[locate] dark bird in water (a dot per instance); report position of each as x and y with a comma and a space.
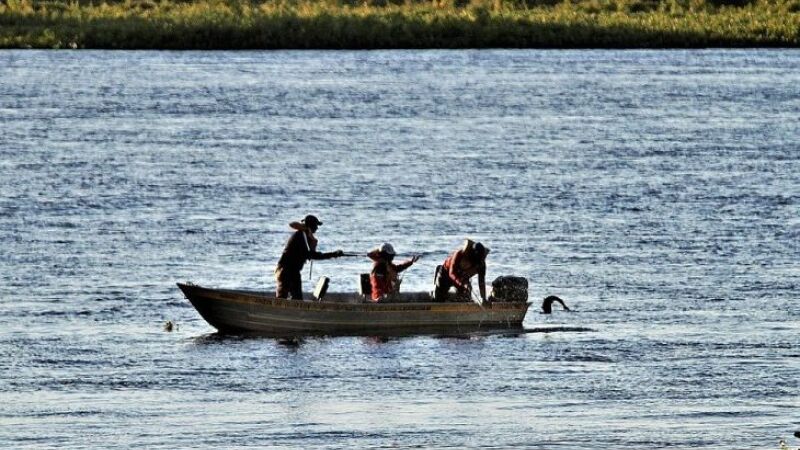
547, 304
292, 342
169, 326
797, 434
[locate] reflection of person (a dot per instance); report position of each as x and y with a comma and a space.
300, 247
384, 276
459, 267
547, 304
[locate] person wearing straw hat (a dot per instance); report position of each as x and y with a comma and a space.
384, 278
300, 247
458, 268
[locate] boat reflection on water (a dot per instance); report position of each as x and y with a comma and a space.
296, 341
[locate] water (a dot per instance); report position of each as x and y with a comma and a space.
656, 191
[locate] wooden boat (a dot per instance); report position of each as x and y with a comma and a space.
238, 311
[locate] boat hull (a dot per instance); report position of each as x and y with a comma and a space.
233, 311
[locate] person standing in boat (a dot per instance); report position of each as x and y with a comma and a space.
384, 278
459, 267
300, 247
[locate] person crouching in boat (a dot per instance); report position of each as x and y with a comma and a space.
300, 247
384, 278
458, 268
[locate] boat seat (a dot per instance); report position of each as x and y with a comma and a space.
322, 288
364, 286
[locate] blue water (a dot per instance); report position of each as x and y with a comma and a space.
657, 192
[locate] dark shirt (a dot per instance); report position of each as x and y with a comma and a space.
298, 250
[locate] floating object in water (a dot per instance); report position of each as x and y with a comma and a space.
797, 434
292, 342
169, 326
547, 304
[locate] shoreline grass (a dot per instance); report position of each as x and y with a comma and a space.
390, 24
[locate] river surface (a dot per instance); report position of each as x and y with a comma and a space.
657, 192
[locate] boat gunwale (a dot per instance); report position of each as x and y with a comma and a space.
255, 297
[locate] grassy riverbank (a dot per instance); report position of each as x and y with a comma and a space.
351, 24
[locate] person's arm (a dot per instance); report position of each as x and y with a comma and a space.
374, 255
320, 255
311, 248
482, 281
405, 265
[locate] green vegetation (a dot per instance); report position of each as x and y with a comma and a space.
354, 24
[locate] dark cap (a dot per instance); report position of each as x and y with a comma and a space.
311, 220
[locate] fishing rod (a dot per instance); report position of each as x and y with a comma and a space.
365, 255
476, 298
